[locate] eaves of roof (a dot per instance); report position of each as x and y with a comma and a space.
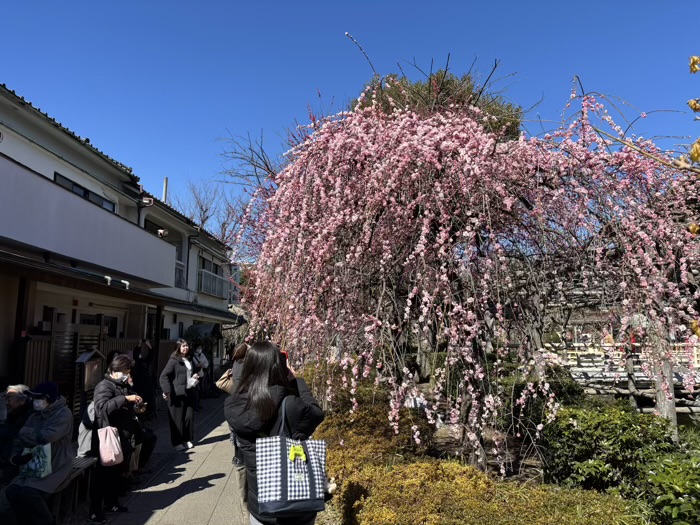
184, 218
85, 142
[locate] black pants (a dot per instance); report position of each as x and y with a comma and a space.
181, 417
106, 485
148, 442
30, 505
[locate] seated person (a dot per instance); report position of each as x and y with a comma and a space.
19, 407
50, 424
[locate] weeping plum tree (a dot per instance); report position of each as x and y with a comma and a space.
394, 232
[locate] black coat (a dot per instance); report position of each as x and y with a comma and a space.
173, 378
110, 403
9, 431
303, 416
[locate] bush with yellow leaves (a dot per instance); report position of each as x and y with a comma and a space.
439, 492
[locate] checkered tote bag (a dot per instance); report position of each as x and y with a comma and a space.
291, 474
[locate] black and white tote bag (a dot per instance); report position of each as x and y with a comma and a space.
291, 473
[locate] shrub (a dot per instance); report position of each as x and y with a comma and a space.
364, 437
603, 449
447, 493
522, 419
673, 489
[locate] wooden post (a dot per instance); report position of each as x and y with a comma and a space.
24, 319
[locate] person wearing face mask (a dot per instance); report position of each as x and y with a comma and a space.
51, 423
17, 407
201, 363
178, 381
113, 407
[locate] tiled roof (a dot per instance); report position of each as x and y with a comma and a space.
85, 142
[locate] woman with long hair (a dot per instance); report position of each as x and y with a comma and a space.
252, 412
178, 381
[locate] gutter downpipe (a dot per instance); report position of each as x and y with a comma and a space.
189, 246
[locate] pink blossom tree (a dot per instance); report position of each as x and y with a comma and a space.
399, 235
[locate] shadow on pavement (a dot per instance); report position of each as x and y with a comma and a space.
213, 439
150, 502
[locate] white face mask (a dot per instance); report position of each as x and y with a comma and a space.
40, 404
120, 377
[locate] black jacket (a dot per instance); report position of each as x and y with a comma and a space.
9, 431
173, 378
110, 403
303, 416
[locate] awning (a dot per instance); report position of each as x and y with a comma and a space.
214, 314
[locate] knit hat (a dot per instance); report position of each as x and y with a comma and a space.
47, 390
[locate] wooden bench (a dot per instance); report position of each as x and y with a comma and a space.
68, 494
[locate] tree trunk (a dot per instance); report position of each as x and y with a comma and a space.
665, 406
629, 368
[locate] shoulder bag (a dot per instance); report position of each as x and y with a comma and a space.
291, 473
225, 382
40, 464
110, 444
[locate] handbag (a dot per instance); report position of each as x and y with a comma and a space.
225, 382
40, 464
291, 474
110, 444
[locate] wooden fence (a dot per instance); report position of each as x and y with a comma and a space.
37, 360
166, 348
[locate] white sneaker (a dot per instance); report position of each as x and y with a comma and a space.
180, 448
189, 444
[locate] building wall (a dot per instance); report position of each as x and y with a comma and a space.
42, 214
199, 246
8, 307
44, 160
129, 316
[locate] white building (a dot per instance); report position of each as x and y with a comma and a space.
87, 258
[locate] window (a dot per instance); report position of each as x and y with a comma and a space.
152, 227
209, 266
83, 192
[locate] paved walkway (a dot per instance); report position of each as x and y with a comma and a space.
196, 487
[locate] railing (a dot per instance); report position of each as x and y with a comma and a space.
681, 353
180, 275
213, 284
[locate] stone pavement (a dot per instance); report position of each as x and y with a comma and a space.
196, 487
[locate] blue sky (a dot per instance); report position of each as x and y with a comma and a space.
157, 84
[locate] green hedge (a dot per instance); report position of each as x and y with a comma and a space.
672, 487
612, 448
603, 449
